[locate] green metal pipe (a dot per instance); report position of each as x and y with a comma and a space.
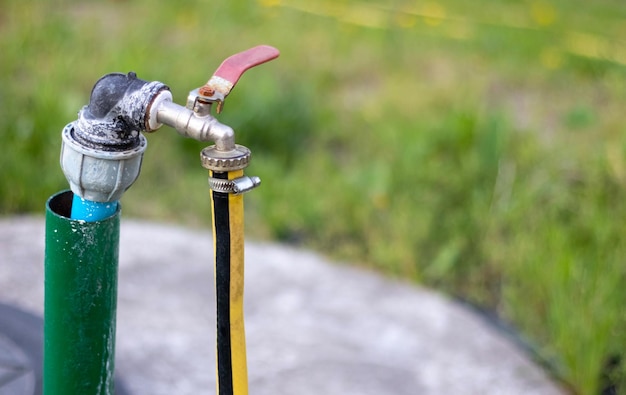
81, 263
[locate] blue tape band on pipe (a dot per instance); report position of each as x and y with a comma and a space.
89, 211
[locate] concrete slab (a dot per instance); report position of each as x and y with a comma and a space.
313, 326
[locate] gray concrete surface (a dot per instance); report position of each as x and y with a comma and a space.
313, 326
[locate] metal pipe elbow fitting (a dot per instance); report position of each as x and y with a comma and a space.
117, 112
102, 151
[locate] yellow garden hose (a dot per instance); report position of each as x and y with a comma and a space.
225, 161
228, 242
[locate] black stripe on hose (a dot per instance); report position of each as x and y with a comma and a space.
222, 284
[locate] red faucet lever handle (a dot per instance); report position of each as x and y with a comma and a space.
234, 66
231, 69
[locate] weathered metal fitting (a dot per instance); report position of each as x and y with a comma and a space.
223, 161
152, 122
117, 112
96, 174
236, 186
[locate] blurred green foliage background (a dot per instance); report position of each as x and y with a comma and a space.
476, 147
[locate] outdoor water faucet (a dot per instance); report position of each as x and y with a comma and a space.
195, 119
101, 156
102, 150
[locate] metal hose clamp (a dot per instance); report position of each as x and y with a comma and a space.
236, 186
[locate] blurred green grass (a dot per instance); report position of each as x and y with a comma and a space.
475, 147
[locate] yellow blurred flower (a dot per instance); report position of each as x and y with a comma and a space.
433, 13
544, 14
269, 3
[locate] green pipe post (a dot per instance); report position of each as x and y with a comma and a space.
81, 264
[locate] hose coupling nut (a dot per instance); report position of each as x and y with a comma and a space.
219, 160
